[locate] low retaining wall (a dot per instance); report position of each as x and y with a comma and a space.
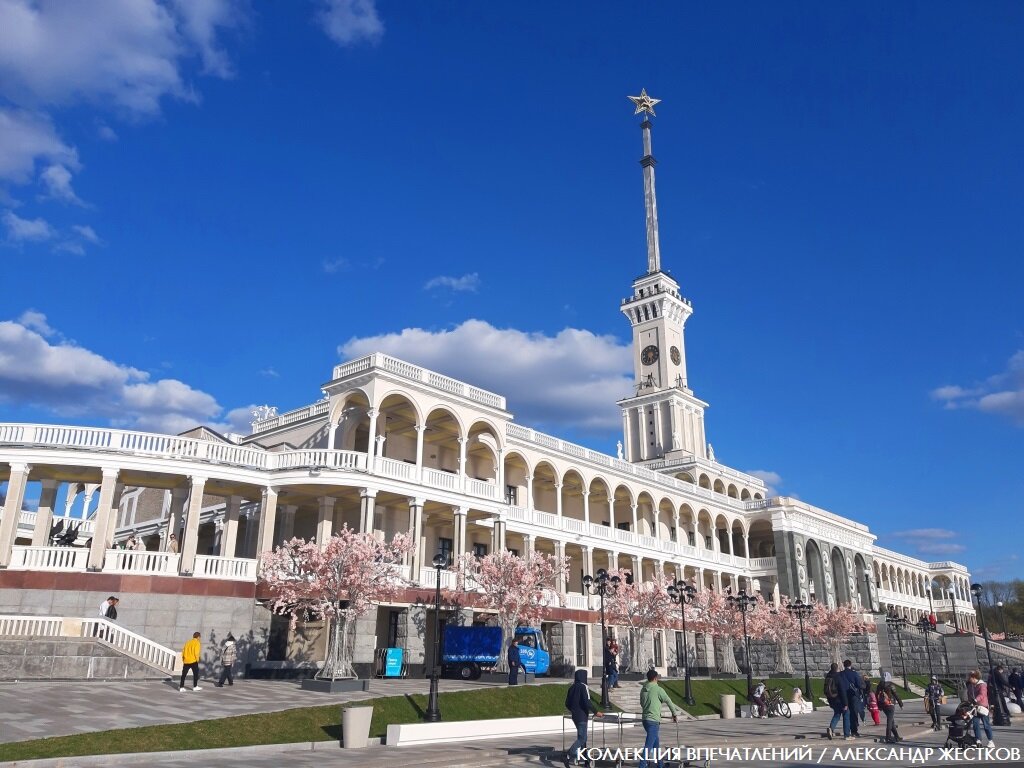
417, 734
48, 658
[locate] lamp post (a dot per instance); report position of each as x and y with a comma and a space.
1002, 617
802, 610
896, 623
999, 714
433, 713
925, 625
684, 593
600, 585
743, 603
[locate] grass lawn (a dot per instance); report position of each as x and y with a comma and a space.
706, 692
922, 680
296, 725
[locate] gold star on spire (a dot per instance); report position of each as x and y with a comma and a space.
643, 102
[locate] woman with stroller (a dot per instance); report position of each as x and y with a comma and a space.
888, 699
977, 694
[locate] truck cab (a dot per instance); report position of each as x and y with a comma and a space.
535, 657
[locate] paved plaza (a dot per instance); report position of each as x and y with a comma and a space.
52, 709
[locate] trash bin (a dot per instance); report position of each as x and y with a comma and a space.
728, 705
355, 726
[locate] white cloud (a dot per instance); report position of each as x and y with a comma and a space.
940, 548
348, 22
468, 282
334, 265
772, 480
105, 132
70, 380
570, 380
1001, 394
21, 230
270, 373
25, 137
931, 541
202, 20
931, 534
57, 180
87, 233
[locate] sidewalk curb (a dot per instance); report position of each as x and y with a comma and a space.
125, 757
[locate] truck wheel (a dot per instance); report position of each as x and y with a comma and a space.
469, 672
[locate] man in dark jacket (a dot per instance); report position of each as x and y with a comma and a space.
1017, 686
850, 686
836, 700
578, 702
514, 663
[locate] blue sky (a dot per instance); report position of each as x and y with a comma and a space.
203, 206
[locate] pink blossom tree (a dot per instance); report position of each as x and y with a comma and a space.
641, 607
338, 583
517, 589
779, 626
717, 618
832, 626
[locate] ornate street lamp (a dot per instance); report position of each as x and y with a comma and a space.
433, 713
1002, 617
999, 714
600, 585
743, 603
952, 600
802, 610
896, 622
684, 593
924, 625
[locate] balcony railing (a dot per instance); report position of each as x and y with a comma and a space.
129, 561
232, 568
49, 558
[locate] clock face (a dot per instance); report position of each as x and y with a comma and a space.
649, 355
674, 354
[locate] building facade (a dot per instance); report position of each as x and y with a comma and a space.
395, 448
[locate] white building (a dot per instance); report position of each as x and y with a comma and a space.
393, 448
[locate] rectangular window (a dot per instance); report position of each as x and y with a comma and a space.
691, 539
480, 550
445, 547
512, 495
624, 526
393, 618
659, 653
581, 645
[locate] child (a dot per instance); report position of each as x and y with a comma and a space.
873, 707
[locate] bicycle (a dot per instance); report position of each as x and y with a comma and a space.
774, 704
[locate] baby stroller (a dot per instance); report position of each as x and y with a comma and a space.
960, 733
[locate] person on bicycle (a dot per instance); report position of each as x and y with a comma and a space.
758, 697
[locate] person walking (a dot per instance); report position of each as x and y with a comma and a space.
850, 686
190, 660
977, 694
514, 662
611, 662
652, 696
228, 655
578, 702
836, 700
1017, 686
933, 699
873, 707
888, 700
108, 611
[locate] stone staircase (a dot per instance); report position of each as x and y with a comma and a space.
627, 698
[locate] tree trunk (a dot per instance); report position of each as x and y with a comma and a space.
338, 663
637, 649
784, 664
507, 629
729, 657
835, 646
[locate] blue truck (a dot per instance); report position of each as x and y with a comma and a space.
468, 651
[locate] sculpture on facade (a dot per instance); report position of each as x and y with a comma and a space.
262, 413
618, 449
677, 443
711, 453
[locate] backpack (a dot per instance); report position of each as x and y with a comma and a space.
884, 698
831, 687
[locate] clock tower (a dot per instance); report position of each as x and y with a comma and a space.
663, 419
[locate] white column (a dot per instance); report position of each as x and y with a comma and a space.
371, 442
98, 551
420, 430
498, 536
367, 502
381, 439
641, 433
558, 499
16, 485
44, 513
633, 509
87, 494
746, 546
499, 474
268, 516
703, 438
331, 429
559, 553
627, 437
529, 493
528, 543
613, 561
114, 512
586, 507
588, 561
462, 462
229, 536
175, 514
659, 434
191, 539
69, 498
325, 521
415, 557
638, 569
459, 525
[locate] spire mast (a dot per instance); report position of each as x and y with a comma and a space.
645, 105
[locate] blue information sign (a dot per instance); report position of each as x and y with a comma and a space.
392, 662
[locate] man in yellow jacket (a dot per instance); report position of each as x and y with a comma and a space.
190, 660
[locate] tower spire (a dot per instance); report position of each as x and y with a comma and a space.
645, 105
